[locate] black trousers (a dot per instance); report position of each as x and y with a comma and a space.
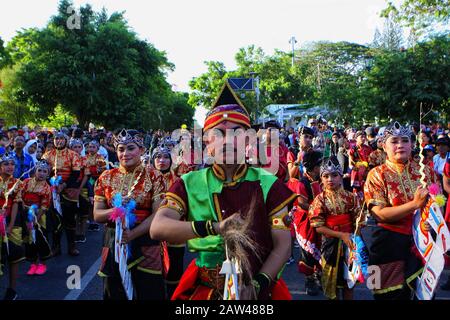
147, 286
176, 269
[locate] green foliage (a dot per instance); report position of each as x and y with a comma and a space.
15, 112
100, 72
420, 15
361, 83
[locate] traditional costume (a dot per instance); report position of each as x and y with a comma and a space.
66, 164
204, 195
145, 186
292, 158
36, 196
392, 247
336, 210
359, 157
307, 188
11, 248
175, 251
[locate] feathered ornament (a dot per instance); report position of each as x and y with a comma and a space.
55, 181
440, 200
121, 212
31, 219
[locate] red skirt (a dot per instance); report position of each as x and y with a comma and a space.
189, 287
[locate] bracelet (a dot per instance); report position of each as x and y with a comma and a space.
210, 228
263, 280
199, 228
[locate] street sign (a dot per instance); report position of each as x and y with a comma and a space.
241, 83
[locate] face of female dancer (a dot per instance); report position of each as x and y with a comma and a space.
41, 174
92, 149
398, 149
331, 181
77, 148
60, 142
162, 162
7, 168
129, 155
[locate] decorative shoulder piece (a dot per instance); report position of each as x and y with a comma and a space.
330, 166
128, 136
395, 129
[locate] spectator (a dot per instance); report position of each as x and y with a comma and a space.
24, 162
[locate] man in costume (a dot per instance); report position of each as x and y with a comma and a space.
295, 163
66, 164
11, 248
228, 201
393, 192
333, 214
36, 197
307, 188
131, 181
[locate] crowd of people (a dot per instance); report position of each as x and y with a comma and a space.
329, 181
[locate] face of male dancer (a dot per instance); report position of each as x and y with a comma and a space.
223, 141
77, 148
162, 162
60, 142
398, 149
7, 168
129, 155
41, 174
361, 140
331, 180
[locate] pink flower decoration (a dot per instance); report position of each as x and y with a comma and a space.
116, 214
434, 189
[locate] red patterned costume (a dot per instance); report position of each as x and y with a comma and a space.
15, 242
37, 193
390, 185
360, 157
337, 210
144, 185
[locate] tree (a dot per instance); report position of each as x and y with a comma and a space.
422, 16
100, 72
400, 81
391, 37
4, 56
11, 108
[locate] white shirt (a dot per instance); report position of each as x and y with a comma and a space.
439, 163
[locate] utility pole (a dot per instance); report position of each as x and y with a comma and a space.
293, 41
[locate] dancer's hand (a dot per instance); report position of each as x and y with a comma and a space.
127, 236
420, 197
236, 217
347, 239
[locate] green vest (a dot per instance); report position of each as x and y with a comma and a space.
200, 187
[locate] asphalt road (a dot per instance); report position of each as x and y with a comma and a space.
53, 285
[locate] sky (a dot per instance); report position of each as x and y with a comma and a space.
194, 31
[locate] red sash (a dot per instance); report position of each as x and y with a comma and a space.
341, 222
